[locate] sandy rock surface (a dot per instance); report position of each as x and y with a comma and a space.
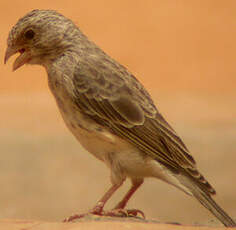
92, 223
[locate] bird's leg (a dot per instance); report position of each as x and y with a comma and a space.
98, 209
132, 190
119, 208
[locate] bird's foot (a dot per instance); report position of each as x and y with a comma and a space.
75, 217
97, 210
124, 213
111, 213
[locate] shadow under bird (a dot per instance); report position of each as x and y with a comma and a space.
108, 110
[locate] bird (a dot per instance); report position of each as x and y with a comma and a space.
108, 111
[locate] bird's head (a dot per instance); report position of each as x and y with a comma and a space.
40, 36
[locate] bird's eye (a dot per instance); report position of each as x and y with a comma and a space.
29, 34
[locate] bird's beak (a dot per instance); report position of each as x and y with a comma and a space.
9, 52
20, 60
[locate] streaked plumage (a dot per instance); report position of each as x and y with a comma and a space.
106, 107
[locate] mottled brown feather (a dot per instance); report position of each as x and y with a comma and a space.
94, 90
151, 134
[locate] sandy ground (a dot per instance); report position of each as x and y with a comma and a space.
113, 224
182, 51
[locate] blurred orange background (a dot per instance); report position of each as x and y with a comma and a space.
183, 51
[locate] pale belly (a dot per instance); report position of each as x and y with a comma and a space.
123, 158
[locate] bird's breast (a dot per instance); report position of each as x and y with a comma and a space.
95, 138
123, 158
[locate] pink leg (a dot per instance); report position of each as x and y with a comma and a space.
98, 209
128, 195
119, 208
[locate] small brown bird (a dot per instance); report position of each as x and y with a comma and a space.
108, 111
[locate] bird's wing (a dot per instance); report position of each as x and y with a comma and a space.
124, 106
119, 102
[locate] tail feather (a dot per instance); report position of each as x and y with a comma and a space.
206, 200
214, 208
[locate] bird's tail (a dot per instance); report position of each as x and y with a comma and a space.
214, 208
206, 200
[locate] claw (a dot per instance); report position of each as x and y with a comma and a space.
135, 212
111, 213
74, 217
125, 213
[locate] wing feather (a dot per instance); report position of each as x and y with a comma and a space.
119, 102
125, 107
